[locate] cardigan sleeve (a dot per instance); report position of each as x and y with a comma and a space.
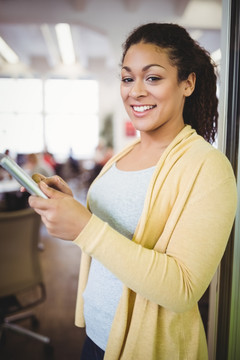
177, 278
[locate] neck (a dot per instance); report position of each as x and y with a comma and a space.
159, 140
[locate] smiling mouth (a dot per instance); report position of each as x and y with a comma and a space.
143, 108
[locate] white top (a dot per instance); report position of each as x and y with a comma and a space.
117, 198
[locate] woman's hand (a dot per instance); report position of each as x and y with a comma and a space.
63, 216
54, 181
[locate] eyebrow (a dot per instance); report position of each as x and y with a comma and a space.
145, 68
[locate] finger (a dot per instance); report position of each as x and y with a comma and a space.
58, 183
50, 181
50, 192
38, 203
55, 182
63, 186
38, 177
41, 213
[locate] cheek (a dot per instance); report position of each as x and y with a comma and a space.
124, 93
168, 95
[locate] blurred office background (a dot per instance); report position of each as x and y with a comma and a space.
61, 112
59, 85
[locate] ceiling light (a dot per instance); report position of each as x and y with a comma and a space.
65, 43
51, 44
8, 54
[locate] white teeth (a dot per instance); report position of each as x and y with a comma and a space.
142, 108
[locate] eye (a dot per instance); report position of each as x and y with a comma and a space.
126, 80
153, 78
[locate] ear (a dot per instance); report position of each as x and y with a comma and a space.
190, 84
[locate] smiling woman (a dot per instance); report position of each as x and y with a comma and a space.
159, 214
152, 95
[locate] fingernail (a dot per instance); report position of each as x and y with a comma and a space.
36, 178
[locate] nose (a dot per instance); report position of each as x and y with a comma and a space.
138, 89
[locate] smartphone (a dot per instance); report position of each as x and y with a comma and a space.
21, 176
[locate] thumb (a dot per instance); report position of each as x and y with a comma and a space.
38, 177
50, 192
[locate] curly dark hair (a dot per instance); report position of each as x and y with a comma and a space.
201, 108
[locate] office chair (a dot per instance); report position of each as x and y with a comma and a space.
21, 282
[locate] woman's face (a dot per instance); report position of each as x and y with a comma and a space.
151, 93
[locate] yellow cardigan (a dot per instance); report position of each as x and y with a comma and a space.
179, 241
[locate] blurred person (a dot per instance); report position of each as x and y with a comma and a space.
49, 159
73, 163
34, 163
159, 214
70, 169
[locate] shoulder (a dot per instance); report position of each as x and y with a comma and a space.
196, 159
212, 159
210, 171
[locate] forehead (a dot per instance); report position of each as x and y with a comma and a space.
146, 54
